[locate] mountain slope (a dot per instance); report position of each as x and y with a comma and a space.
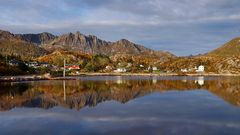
38, 39
231, 48
11, 45
91, 44
124, 46
127, 47
72, 42
77, 42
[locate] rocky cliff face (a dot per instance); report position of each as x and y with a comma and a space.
38, 39
77, 42
91, 44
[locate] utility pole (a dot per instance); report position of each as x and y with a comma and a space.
6, 59
64, 90
64, 68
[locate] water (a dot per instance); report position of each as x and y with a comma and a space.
122, 105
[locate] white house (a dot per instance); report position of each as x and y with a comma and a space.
120, 70
44, 64
129, 65
184, 70
200, 68
108, 67
33, 64
154, 68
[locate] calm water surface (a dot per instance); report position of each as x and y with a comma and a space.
122, 105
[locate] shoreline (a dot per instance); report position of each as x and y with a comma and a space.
48, 77
153, 74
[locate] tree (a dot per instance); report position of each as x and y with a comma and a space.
96, 63
90, 67
83, 63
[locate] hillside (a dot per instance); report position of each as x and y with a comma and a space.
57, 57
231, 48
38, 39
94, 54
11, 45
39, 44
213, 64
35, 45
78, 42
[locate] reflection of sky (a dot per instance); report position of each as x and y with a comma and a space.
190, 112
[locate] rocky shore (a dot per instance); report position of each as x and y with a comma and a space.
156, 74
24, 78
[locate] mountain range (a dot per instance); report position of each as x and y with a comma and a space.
45, 43
38, 39
35, 45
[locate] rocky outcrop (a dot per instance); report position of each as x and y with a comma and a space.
38, 39
77, 42
91, 44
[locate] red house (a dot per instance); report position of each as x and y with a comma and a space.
72, 67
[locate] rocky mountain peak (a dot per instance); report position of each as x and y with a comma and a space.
5, 35
124, 41
78, 33
78, 42
38, 39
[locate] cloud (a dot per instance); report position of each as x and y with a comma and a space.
177, 26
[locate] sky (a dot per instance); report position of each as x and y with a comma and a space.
183, 27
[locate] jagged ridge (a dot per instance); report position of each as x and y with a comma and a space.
77, 42
38, 39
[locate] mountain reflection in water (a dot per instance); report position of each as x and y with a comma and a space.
89, 91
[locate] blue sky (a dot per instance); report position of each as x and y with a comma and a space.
182, 27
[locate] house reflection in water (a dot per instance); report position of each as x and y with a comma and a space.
200, 80
154, 79
119, 80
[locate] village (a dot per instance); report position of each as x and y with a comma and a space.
76, 69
